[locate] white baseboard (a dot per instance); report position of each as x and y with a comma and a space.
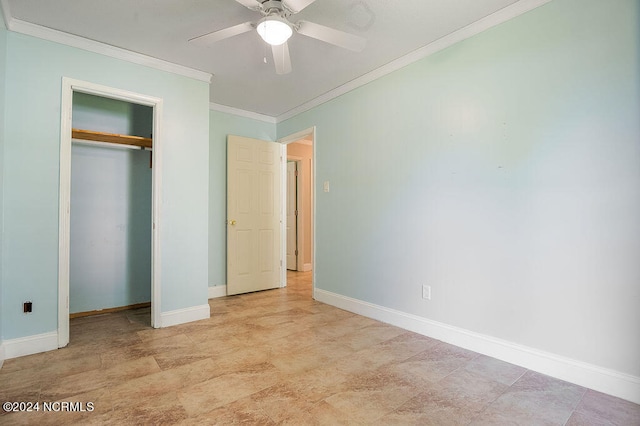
181, 316
601, 379
306, 267
22, 346
217, 291
1, 353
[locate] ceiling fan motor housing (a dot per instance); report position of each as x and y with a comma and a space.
275, 7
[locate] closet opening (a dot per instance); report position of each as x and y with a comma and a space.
109, 199
110, 258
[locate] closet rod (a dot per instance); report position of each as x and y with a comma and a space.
110, 145
90, 135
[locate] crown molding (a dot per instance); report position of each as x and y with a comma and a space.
242, 113
489, 21
22, 27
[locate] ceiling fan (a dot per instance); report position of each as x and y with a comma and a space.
275, 28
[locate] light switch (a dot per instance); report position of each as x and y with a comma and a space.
326, 186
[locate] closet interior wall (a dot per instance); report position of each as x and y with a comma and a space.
111, 208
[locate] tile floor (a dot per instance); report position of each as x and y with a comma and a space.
279, 357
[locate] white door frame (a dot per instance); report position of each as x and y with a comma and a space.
68, 87
311, 131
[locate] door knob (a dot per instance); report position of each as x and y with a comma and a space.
232, 222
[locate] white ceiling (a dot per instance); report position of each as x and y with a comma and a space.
162, 28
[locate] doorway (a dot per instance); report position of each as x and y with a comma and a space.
70, 87
300, 149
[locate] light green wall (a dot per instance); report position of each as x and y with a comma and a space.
35, 69
3, 59
221, 125
110, 244
504, 172
101, 114
110, 247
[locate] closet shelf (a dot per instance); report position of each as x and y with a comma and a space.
90, 135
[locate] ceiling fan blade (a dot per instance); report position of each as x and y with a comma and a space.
251, 4
222, 34
331, 35
281, 58
296, 5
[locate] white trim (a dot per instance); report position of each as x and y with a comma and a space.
302, 134
217, 291
604, 380
307, 267
156, 211
28, 345
242, 113
27, 28
68, 87
181, 316
464, 33
2, 356
64, 213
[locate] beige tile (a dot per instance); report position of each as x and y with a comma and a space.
370, 396
495, 369
367, 406
406, 345
153, 410
434, 363
606, 410
131, 370
370, 335
163, 382
283, 403
324, 414
173, 358
235, 413
63, 387
534, 399
455, 400
227, 388
317, 384
159, 333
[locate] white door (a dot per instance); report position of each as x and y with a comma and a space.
253, 214
292, 215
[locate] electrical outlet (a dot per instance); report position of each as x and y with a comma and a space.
27, 307
426, 292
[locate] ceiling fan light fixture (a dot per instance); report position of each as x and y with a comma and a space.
274, 30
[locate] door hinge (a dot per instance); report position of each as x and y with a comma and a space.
296, 213
296, 174
296, 252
